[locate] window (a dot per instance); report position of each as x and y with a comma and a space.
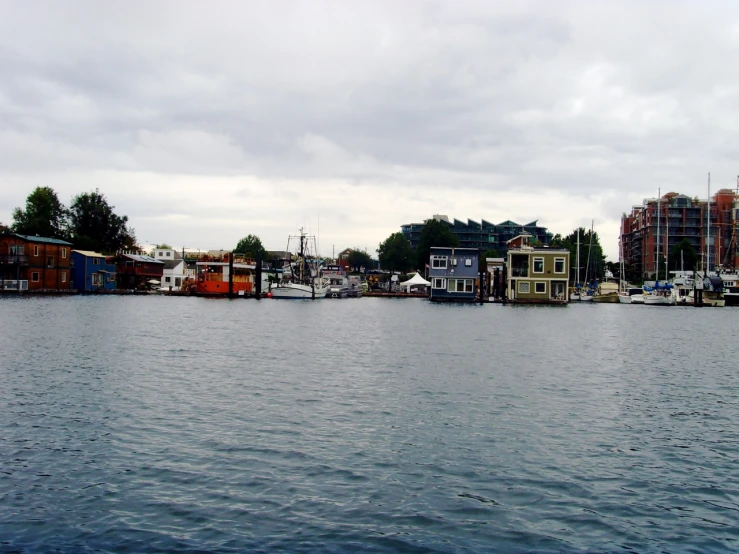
95, 279
169, 254
35, 277
96, 261
540, 287
538, 265
64, 276
50, 261
35, 249
167, 279
559, 265
17, 249
64, 252
438, 262
438, 283
524, 287
177, 281
461, 285
468, 263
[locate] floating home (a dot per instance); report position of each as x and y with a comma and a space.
34, 263
537, 275
453, 274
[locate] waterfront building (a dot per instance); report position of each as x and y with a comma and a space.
92, 272
176, 268
481, 236
537, 275
34, 263
681, 217
453, 273
135, 270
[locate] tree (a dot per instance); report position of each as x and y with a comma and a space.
251, 246
4, 228
434, 233
359, 258
396, 254
682, 255
592, 259
94, 226
491, 253
44, 215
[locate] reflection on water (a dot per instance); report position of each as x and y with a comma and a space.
185, 424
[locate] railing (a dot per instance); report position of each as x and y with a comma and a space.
21, 259
13, 284
519, 271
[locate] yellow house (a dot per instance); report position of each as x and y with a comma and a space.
537, 275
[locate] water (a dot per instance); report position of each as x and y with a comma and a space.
159, 424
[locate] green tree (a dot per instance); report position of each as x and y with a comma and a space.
358, 258
4, 228
491, 253
434, 233
44, 215
592, 259
251, 245
396, 254
682, 255
94, 226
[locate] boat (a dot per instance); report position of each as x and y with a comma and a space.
636, 294
658, 294
580, 293
337, 281
301, 278
214, 274
730, 283
683, 284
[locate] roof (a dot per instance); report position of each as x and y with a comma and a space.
415, 280
171, 264
142, 258
36, 238
89, 253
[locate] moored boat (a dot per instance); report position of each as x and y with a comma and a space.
301, 278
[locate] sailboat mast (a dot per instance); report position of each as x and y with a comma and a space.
577, 278
708, 228
659, 198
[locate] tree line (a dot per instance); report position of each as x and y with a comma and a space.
89, 222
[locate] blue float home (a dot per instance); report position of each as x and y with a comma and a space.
453, 274
91, 272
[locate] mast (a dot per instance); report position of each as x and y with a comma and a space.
667, 243
659, 198
590, 247
708, 229
577, 278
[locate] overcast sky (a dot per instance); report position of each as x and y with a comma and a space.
207, 121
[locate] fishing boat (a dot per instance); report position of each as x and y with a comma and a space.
301, 277
337, 281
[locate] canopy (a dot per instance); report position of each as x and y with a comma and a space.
416, 280
153, 282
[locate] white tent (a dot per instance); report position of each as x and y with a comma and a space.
416, 280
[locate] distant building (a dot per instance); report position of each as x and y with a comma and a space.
92, 272
681, 217
453, 274
481, 236
34, 263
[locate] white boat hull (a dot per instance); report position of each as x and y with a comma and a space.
659, 300
624, 299
637, 299
297, 290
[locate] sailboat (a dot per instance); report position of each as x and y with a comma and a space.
623, 294
659, 295
301, 278
579, 294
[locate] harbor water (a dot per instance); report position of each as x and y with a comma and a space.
162, 424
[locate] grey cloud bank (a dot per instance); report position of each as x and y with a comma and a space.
206, 122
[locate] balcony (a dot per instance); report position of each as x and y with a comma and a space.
13, 259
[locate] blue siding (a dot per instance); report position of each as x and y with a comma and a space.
84, 267
466, 268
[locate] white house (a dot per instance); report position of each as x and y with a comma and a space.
175, 268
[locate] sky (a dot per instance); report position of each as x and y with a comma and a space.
204, 122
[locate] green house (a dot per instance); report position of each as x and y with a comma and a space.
536, 275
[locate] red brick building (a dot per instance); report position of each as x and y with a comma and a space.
681, 218
34, 263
